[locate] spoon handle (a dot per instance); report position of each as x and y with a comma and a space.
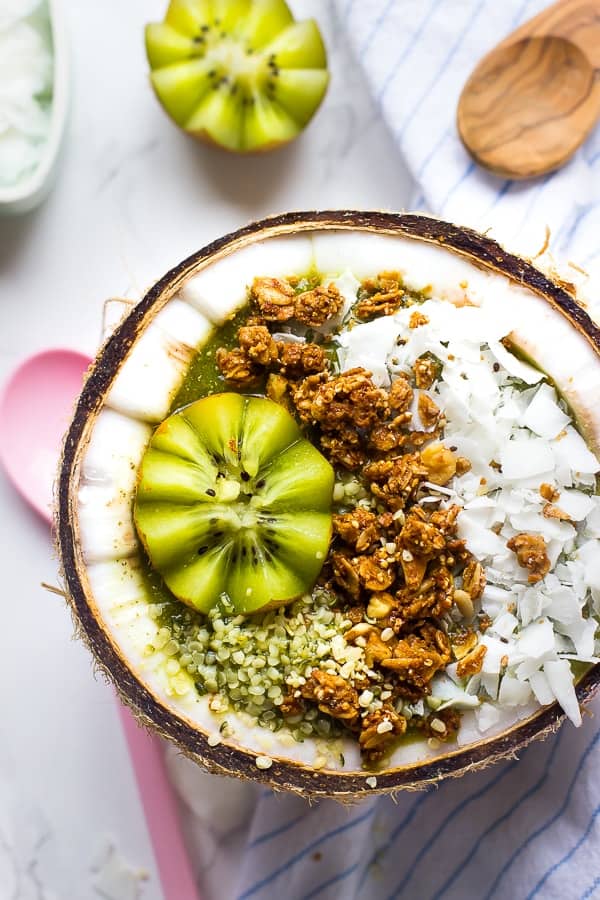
575, 21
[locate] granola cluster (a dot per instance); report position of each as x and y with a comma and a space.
397, 567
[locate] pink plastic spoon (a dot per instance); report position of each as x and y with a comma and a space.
35, 408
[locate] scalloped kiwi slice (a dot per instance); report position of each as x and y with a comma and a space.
239, 73
233, 500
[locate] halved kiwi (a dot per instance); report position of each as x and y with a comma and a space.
239, 73
234, 504
131, 387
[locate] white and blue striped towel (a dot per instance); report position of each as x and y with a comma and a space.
521, 829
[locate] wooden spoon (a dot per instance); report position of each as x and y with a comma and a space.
534, 99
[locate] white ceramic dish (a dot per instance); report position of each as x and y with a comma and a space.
30, 191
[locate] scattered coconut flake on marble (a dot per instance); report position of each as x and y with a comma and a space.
114, 878
26, 77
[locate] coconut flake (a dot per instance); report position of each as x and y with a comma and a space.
541, 688
524, 457
560, 681
513, 365
571, 450
537, 640
488, 715
513, 692
543, 415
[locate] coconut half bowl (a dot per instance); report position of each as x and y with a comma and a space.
129, 390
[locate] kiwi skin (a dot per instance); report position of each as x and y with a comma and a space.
149, 709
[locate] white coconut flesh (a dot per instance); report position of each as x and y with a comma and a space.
537, 630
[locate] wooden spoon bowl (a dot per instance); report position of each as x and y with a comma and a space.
533, 100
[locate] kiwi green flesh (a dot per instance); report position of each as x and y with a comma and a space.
232, 500
243, 75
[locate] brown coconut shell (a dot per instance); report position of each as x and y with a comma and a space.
226, 759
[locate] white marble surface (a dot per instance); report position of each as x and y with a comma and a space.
133, 197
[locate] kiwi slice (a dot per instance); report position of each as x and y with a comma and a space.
239, 73
233, 500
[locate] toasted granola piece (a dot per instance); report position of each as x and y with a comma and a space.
413, 569
317, 306
376, 572
401, 394
385, 438
236, 368
386, 296
531, 553
355, 614
420, 537
471, 663
298, 360
433, 597
380, 605
419, 655
550, 511
350, 398
291, 705
395, 480
278, 390
343, 446
443, 725
345, 574
426, 370
462, 465
379, 729
439, 462
548, 492
360, 630
306, 392
417, 319
333, 696
358, 528
445, 519
473, 579
274, 297
429, 411
463, 642
257, 344
377, 649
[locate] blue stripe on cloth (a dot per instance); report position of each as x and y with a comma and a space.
412, 45
406, 121
500, 193
432, 152
381, 851
515, 21
594, 159
463, 864
281, 829
333, 880
348, 9
379, 21
548, 823
581, 215
268, 879
590, 891
467, 172
535, 195
566, 857
449, 819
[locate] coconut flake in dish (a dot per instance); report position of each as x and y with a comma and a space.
507, 419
